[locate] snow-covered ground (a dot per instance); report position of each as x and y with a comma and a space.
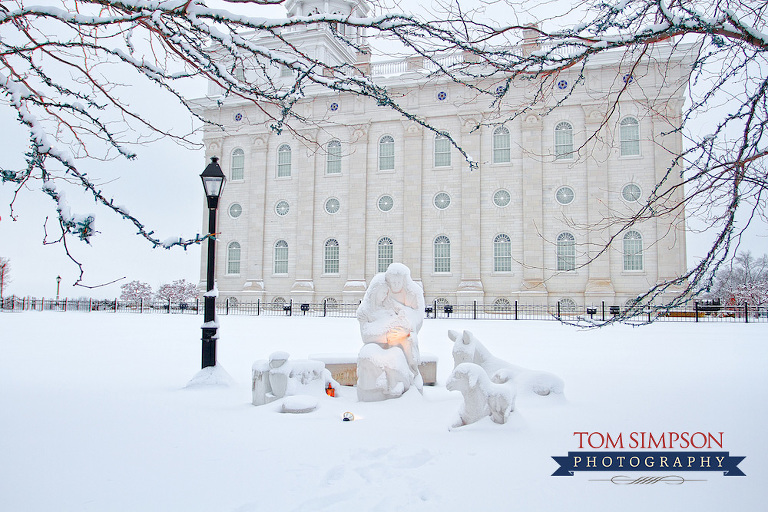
95, 416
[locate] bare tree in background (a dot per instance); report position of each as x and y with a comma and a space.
745, 281
180, 290
55, 65
135, 291
5, 275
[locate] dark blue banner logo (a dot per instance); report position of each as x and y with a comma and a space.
648, 461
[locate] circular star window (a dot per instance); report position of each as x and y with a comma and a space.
235, 210
282, 207
631, 193
386, 203
332, 205
442, 201
564, 195
502, 198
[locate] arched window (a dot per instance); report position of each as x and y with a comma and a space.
567, 305
563, 141
629, 133
566, 252
386, 153
442, 151
331, 260
281, 257
385, 254
633, 251
442, 254
502, 305
333, 158
237, 169
283, 161
501, 145
278, 303
233, 258
502, 253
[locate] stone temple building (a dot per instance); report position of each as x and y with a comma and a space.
312, 215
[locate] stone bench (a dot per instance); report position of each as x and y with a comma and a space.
343, 367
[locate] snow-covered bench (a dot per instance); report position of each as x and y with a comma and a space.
343, 367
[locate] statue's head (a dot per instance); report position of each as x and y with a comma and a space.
397, 276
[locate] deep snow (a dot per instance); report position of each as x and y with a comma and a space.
96, 417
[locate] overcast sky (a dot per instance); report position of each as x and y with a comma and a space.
162, 188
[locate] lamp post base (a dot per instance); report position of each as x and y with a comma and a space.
209, 347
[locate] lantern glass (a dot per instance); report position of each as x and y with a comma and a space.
213, 186
213, 182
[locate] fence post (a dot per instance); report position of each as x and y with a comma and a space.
258, 307
115, 305
603, 311
226, 306
474, 310
746, 313
434, 305
325, 306
516, 310
558, 310
696, 311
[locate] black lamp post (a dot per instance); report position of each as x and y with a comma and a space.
213, 183
58, 282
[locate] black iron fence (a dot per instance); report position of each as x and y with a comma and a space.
603, 312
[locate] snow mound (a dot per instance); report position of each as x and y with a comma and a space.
211, 376
299, 404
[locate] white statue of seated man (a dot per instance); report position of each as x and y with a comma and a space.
390, 316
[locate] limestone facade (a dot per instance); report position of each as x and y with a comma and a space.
314, 214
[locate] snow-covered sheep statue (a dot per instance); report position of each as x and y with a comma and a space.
482, 398
468, 349
390, 316
280, 377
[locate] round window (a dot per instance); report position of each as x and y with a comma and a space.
562, 84
332, 205
564, 195
386, 203
281, 208
334, 107
235, 210
442, 201
631, 193
442, 95
501, 198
